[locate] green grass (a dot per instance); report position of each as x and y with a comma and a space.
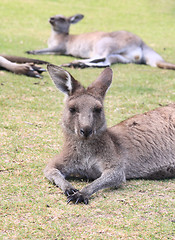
31, 207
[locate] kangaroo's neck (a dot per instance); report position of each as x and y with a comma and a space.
61, 42
59, 35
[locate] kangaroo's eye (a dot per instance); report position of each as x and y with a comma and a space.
72, 110
97, 110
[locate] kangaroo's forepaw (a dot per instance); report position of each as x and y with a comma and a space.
77, 197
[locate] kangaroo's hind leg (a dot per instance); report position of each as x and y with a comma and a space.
98, 62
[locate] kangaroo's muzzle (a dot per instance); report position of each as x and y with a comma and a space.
86, 132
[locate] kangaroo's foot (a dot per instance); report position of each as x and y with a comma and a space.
30, 70
75, 64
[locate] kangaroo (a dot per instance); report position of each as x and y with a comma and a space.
99, 49
22, 65
142, 146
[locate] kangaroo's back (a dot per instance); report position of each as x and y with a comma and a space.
148, 143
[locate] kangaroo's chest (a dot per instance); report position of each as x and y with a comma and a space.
79, 49
88, 167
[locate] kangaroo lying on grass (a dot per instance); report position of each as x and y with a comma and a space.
140, 147
99, 49
22, 65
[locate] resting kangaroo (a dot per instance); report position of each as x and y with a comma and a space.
140, 147
99, 49
21, 65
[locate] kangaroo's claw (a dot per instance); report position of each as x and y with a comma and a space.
70, 192
38, 69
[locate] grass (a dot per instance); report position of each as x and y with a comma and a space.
31, 207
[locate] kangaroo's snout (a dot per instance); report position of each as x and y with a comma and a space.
86, 132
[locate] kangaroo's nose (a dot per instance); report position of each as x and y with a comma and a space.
51, 20
86, 132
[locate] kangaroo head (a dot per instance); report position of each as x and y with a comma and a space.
61, 24
84, 112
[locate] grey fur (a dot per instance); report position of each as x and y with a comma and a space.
140, 147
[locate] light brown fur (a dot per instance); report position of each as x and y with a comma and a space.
99, 49
22, 65
140, 147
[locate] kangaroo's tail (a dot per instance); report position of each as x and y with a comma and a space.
152, 58
166, 65
18, 59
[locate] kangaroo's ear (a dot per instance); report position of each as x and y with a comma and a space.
76, 18
102, 83
63, 80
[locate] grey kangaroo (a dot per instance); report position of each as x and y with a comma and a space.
141, 147
99, 49
22, 65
